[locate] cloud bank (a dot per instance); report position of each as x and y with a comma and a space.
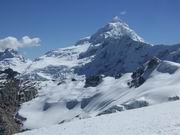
14, 43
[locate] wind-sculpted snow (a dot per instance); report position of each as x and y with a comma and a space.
161, 119
60, 102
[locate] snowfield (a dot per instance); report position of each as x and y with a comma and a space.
163, 119
51, 105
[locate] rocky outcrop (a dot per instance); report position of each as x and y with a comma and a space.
174, 98
13, 92
86, 101
143, 72
71, 104
93, 81
8, 125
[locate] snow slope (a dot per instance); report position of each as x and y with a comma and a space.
57, 64
59, 103
124, 55
163, 119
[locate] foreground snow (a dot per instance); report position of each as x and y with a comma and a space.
163, 119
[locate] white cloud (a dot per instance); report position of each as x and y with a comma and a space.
123, 12
14, 43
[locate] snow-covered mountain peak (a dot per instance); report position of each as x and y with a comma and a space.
117, 22
10, 58
116, 19
9, 53
115, 29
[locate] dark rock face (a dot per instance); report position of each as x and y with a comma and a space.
13, 92
153, 62
9, 90
137, 82
8, 125
28, 91
93, 81
71, 104
174, 98
143, 72
10, 73
86, 101
73, 79
117, 76
138, 73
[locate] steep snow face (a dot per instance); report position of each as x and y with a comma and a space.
163, 119
68, 100
115, 56
116, 29
124, 55
10, 58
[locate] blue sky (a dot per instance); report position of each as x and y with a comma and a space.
60, 23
